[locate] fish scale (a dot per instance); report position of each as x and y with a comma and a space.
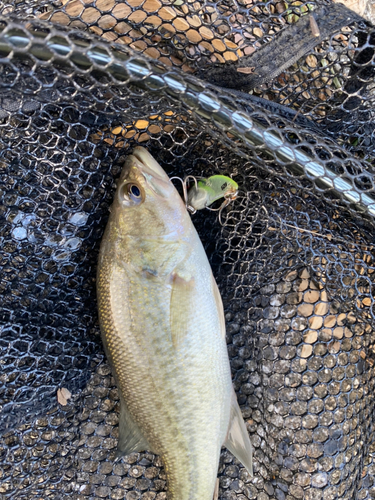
163, 331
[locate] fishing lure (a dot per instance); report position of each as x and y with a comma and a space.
205, 192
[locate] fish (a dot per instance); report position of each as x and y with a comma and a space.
163, 329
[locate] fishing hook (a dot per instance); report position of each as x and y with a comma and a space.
228, 198
184, 189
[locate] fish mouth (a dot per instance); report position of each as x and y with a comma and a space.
149, 164
154, 174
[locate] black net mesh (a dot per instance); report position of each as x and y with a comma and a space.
81, 83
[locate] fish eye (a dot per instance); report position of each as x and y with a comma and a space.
134, 191
131, 193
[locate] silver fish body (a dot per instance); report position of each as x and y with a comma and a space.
163, 330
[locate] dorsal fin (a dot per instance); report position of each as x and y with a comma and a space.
219, 305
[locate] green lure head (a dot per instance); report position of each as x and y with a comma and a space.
207, 191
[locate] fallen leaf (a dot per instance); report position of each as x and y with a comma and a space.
246, 71
63, 395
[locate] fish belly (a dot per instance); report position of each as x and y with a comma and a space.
179, 396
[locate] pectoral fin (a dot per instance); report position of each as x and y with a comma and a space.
237, 440
182, 306
130, 436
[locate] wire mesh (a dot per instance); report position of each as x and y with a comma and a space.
81, 83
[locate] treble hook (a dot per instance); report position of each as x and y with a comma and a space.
191, 209
228, 198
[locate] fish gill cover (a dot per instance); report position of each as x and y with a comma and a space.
81, 83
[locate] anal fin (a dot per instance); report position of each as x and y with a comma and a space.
237, 440
131, 438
